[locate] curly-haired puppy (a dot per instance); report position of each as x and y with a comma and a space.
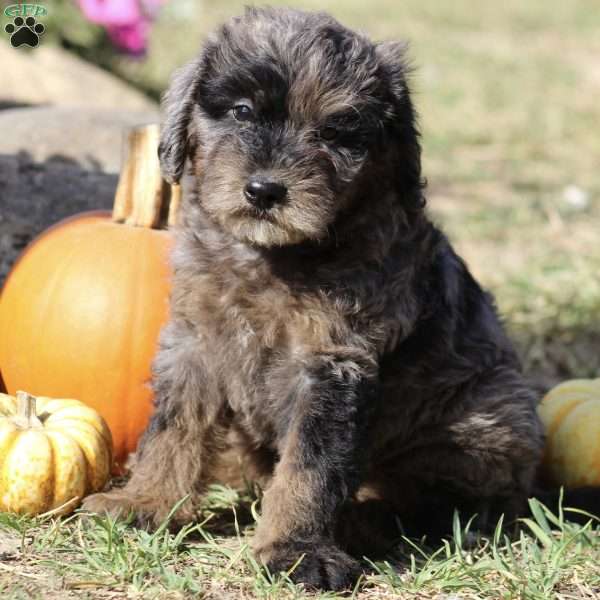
324, 337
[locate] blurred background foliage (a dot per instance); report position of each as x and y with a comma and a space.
508, 93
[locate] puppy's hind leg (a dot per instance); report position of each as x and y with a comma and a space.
176, 454
481, 460
498, 442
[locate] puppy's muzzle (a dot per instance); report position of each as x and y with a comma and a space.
264, 193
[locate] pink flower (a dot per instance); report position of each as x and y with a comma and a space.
127, 22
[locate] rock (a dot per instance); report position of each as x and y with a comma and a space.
55, 162
92, 138
51, 75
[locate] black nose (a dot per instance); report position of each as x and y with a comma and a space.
264, 194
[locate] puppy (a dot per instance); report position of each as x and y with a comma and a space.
324, 339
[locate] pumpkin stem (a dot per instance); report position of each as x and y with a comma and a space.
143, 198
26, 416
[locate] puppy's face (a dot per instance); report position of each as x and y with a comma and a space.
282, 113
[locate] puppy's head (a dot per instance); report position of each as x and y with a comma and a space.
290, 119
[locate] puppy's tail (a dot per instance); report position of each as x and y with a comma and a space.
578, 504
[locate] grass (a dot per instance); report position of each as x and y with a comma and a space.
508, 93
97, 558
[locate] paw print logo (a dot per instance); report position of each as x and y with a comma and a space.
24, 32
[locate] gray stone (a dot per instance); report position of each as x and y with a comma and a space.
90, 137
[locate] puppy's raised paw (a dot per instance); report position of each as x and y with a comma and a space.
319, 566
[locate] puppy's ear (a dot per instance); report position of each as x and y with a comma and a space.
177, 107
393, 58
401, 126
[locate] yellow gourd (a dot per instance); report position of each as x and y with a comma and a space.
571, 415
52, 453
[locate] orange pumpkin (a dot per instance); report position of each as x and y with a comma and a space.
81, 311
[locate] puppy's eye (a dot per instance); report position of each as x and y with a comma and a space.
328, 133
242, 112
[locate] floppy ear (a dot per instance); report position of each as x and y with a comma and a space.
393, 56
177, 107
402, 118
396, 70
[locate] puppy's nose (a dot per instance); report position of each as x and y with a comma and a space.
264, 194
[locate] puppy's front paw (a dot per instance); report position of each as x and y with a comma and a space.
322, 566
